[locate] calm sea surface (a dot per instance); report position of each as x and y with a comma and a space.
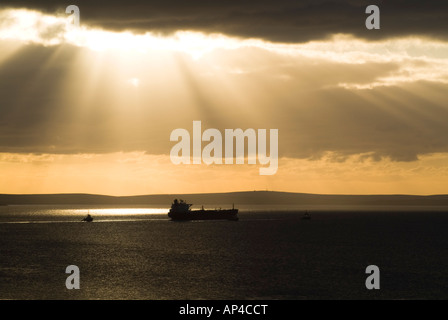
270, 253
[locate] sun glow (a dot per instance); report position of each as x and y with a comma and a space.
33, 26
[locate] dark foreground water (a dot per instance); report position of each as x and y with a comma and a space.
269, 254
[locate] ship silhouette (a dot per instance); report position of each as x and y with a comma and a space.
180, 210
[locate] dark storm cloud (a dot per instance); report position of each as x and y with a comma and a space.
370, 121
280, 20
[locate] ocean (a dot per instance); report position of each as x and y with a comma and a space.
269, 254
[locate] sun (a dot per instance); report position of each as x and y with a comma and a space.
135, 82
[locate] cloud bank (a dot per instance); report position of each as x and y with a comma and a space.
278, 21
342, 95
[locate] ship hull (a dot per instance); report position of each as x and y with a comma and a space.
230, 214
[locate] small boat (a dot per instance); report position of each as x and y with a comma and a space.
306, 216
88, 218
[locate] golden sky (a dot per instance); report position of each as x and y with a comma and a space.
91, 109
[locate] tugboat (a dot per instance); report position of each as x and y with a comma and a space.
180, 210
88, 218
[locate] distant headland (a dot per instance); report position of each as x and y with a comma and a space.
240, 198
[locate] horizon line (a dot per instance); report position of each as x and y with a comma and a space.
216, 193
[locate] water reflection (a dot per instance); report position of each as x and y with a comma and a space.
117, 211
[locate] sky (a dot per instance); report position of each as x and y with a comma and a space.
90, 108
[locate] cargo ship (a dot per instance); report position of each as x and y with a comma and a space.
180, 210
